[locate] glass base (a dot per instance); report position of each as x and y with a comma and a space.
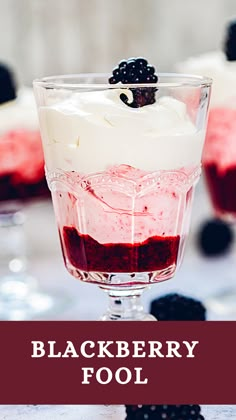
223, 303
134, 317
126, 306
20, 299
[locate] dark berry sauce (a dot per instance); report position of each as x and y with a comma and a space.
14, 188
222, 188
85, 253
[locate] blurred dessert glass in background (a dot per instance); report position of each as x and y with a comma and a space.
219, 154
21, 181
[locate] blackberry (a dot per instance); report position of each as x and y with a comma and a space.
163, 412
176, 307
230, 41
7, 85
215, 237
136, 70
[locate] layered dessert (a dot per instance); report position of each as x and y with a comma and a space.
219, 156
21, 156
220, 161
121, 165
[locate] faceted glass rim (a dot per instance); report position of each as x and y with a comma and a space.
171, 80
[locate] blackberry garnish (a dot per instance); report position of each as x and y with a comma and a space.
136, 70
176, 307
230, 41
215, 237
163, 412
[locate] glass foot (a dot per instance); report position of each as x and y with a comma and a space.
223, 303
20, 300
126, 306
141, 317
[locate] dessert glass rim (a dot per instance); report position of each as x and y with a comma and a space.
67, 81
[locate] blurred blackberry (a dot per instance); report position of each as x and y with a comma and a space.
215, 237
7, 85
136, 70
230, 41
163, 412
176, 307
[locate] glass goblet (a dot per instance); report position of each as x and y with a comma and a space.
22, 181
122, 179
219, 165
22, 184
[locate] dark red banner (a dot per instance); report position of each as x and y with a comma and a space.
117, 362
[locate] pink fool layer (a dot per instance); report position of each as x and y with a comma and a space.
21, 166
219, 160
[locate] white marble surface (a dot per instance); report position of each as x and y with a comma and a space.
95, 412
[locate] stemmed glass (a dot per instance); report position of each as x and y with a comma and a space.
22, 185
219, 164
22, 181
122, 179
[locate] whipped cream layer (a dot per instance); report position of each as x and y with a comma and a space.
20, 113
92, 131
223, 72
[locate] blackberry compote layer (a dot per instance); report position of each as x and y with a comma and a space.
85, 253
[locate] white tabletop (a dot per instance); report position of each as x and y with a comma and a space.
95, 412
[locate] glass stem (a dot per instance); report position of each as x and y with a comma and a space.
13, 261
123, 307
19, 295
